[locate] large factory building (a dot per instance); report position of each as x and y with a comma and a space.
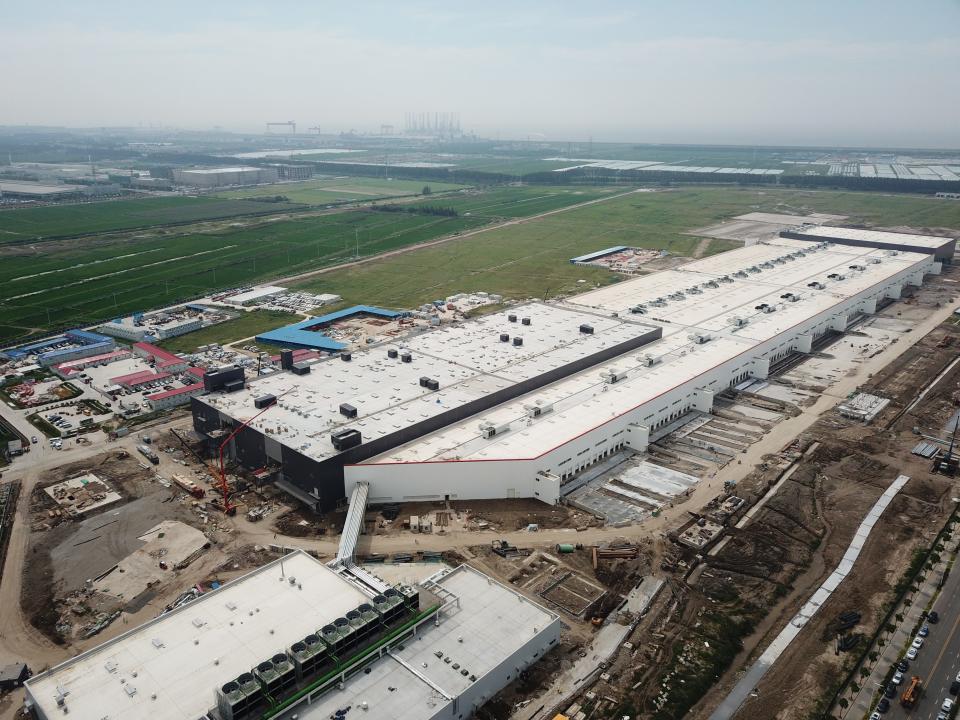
299, 639
218, 177
517, 403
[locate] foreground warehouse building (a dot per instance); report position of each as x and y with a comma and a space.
517, 403
297, 638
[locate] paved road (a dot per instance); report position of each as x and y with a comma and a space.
939, 659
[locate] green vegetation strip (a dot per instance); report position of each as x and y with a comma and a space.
349, 663
43, 426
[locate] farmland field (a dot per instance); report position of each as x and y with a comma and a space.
76, 282
532, 259
320, 191
84, 218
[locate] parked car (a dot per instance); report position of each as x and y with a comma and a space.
933, 617
890, 691
897, 678
917, 642
883, 705
947, 704
912, 653
34, 439
875, 716
924, 631
903, 666
954, 687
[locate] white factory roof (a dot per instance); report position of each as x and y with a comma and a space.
214, 171
256, 293
490, 624
32, 188
723, 290
879, 238
468, 360
170, 667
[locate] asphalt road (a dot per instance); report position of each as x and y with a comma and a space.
939, 660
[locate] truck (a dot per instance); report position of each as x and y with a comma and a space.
912, 693
148, 454
188, 485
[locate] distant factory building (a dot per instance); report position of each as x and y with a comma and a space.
942, 248
218, 177
255, 295
23, 190
294, 172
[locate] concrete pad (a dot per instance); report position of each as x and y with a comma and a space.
172, 543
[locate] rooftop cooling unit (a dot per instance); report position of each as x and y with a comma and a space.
836, 276
676, 296
739, 322
816, 285
875, 261
537, 409
700, 338
650, 360
724, 279
276, 674
753, 269
740, 274
488, 429
308, 655
713, 284
694, 291
611, 376
766, 265
790, 297
860, 268
639, 310
525, 321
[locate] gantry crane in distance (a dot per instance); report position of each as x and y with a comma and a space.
289, 123
228, 507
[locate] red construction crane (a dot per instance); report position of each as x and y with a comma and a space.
228, 507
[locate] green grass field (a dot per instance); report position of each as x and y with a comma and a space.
532, 259
85, 218
321, 191
247, 325
81, 283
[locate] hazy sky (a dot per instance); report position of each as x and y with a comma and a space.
836, 72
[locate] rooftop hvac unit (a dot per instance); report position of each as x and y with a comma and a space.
348, 410
308, 655
658, 302
504, 337
276, 674
894, 252
525, 321
700, 338
611, 376
406, 357
264, 401
237, 698
639, 310
694, 291
836, 276
346, 357
676, 296
300, 369
740, 274
725, 279
512, 318
346, 439
488, 429
517, 341
586, 329
765, 307
777, 261
537, 409
650, 360
767, 265
713, 284
861, 268
739, 321
392, 353
790, 297
875, 261
816, 285
753, 269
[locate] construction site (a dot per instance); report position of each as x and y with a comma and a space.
654, 575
